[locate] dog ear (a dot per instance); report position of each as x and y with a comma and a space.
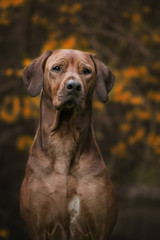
33, 74
104, 80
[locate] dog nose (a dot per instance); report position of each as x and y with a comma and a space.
73, 86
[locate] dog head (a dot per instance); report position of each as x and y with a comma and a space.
68, 78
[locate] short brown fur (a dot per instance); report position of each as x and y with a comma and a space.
67, 193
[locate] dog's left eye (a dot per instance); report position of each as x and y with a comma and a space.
56, 69
87, 71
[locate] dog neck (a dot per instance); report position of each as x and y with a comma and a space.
63, 133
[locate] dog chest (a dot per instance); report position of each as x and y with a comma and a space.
74, 209
63, 151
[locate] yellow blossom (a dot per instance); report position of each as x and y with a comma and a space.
24, 142
158, 117
75, 8
136, 18
125, 14
4, 233
143, 114
136, 100
26, 62
30, 107
19, 73
125, 127
98, 105
9, 72
10, 115
146, 9
138, 136
10, 3
64, 9
156, 38
119, 149
68, 43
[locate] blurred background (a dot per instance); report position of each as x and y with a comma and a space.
125, 35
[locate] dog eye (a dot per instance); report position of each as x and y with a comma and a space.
87, 71
56, 69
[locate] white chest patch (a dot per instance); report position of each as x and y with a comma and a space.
74, 208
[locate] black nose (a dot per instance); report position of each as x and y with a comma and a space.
73, 86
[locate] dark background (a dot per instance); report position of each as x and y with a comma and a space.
126, 36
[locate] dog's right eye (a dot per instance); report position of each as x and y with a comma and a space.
56, 69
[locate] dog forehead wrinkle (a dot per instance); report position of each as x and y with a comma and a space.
71, 55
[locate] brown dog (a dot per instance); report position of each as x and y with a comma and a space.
67, 193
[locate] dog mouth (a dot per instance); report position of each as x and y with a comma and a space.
70, 102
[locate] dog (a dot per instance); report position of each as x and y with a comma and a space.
67, 193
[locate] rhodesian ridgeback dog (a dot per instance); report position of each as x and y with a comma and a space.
67, 193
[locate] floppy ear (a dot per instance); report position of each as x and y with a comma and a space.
33, 74
104, 80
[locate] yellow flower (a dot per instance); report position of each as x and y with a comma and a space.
9, 72
137, 137
136, 100
132, 140
130, 72
10, 3
19, 73
10, 115
64, 9
140, 134
39, 20
125, 127
24, 142
153, 96
30, 107
61, 19
146, 9
119, 149
125, 14
16, 2
4, 18
125, 97
26, 61
151, 138
118, 89
4, 233
156, 38
143, 115
98, 105
154, 142
158, 117
136, 18
143, 70
68, 43
75, 8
